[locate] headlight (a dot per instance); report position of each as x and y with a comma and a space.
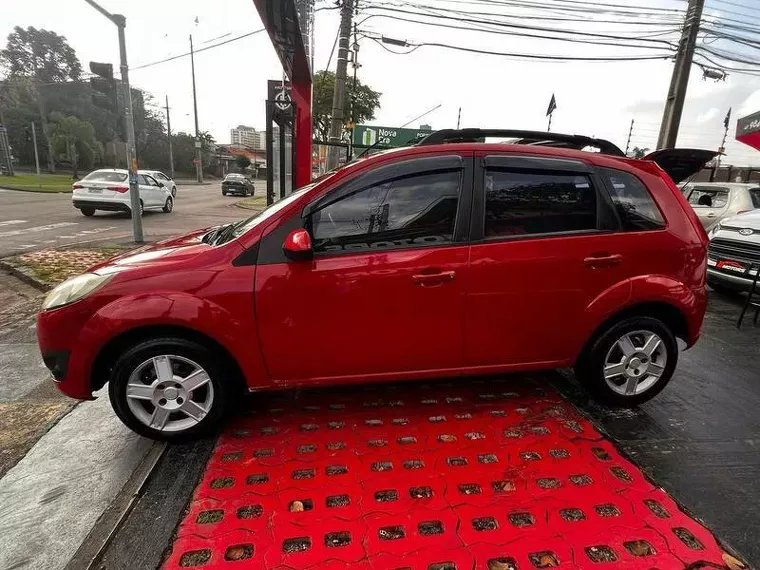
715, 229
74, 289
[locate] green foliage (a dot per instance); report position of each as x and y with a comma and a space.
74, 141
41, 54
366, 103
638, 152
242, 162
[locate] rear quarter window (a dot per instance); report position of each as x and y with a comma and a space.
635, 206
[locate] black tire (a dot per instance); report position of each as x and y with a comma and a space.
224, 192
590, 366
134, 356
89, 212
169, 205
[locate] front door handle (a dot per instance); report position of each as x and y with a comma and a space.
604, 260
711, 215
432, 279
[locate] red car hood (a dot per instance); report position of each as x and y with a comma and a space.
173, 250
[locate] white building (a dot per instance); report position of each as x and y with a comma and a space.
248, 136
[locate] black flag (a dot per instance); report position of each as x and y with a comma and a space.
727, 120
552, 106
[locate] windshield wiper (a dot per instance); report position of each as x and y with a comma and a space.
214, 235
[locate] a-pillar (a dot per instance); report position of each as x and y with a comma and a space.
301, 95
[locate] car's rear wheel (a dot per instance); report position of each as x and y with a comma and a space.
88, 211
169, 205
169, 389
630, 363
142, 210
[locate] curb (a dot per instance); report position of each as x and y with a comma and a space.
25, 277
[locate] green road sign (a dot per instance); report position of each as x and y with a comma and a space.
366, 135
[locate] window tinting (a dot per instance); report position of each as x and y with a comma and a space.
633, 202
754, 193
519, 203
413, 210
708, 197
106, 176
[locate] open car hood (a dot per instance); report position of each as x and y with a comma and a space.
680, 163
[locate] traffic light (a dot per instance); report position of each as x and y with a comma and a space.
104, 86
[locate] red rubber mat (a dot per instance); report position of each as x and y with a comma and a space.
491, 475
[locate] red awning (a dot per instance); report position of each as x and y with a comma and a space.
748, 130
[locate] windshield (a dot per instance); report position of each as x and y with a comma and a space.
248, 224
106, 176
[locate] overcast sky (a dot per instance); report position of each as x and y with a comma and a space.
597, 99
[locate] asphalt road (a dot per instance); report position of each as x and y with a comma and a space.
35, 220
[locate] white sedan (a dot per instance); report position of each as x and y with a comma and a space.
163, 178
108, 189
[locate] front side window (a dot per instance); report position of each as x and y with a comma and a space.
633, 202
754, 194
708, 197
524, 203
415, 210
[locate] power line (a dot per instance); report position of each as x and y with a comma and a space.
172, 58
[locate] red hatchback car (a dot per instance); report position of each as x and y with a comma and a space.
452, 257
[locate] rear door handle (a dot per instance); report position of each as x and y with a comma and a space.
430, 279
603, 260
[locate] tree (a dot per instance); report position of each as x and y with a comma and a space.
639, 152
366, 103
40, 57
75, 140
242, 162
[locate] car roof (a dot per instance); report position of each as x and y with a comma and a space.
119, 170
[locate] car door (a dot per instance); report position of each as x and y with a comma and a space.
157, 193
540, 254
384, 291
709, 203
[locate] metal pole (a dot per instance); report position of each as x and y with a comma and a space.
549, 128
134, 188
628, 142
169, 133
459, 117
36, 155
722, 146
353, 94
339, 93
671, 117
198, 164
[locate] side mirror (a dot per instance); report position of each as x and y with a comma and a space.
297, 246
160, 184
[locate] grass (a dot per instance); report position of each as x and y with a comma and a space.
45, 183
52, 266
255, 203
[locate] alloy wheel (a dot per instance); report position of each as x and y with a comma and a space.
635, 362
169, 393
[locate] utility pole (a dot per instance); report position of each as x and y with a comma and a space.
36, 155
356, 66
722, 149
336, 123
459, 117
628, 142
169, 133
198, 163
671, 118
134, 189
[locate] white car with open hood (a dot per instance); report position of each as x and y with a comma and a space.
733, 257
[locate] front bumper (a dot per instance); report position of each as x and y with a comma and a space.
723, 279
69, 360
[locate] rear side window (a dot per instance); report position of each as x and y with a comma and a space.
754, 193
524, 203
708, 197
106, 176
633, 202
414, 210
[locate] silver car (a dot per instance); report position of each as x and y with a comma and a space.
715, 201
733, 257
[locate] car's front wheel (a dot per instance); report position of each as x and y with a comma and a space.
630, 363
169, 205
169, 389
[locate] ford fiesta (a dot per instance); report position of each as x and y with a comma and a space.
452, 257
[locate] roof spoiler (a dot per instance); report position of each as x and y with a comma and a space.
680, 163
